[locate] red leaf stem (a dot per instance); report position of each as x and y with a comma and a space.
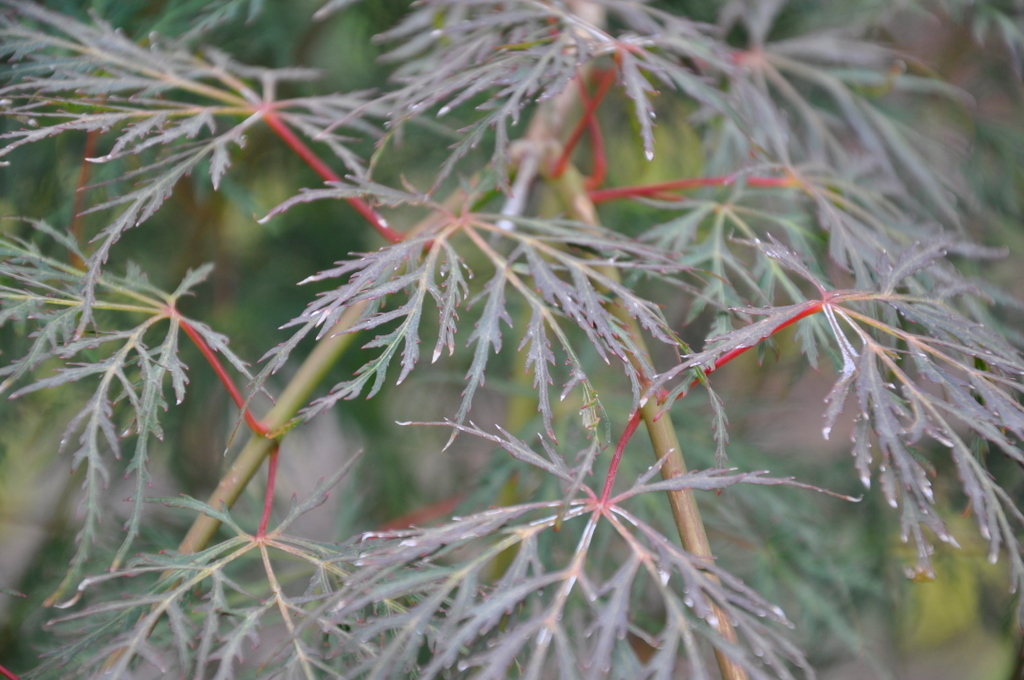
586, 121
328, 175
7, 674
634, 418
218, 368
79, 204
729, 356
613, 468
604, 195
600, 170
441, 508
268, 499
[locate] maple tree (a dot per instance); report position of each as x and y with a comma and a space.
586, 306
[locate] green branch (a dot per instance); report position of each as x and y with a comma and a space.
277, 420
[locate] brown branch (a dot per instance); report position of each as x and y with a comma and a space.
543, 134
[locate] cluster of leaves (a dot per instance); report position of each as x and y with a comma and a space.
126, 365
826, 211
167, 104
373, 603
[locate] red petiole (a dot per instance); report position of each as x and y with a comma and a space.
441, 508
613, 467
634, 418
658, 190
376, 221
587, 122
218, 368
254, 423
268, 500
729, 356
83, 179
328, 175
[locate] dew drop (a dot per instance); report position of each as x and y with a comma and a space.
649, 154
825, 431
32, 122
443, 110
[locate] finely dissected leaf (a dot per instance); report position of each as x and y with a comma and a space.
199, 606
829, 198
127, 366
487, 336
517, 53
221, 12
902, 408
807, 92
551, 268
148, 94
733, 341
448, 609
518, 449
884, 363
466, 624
